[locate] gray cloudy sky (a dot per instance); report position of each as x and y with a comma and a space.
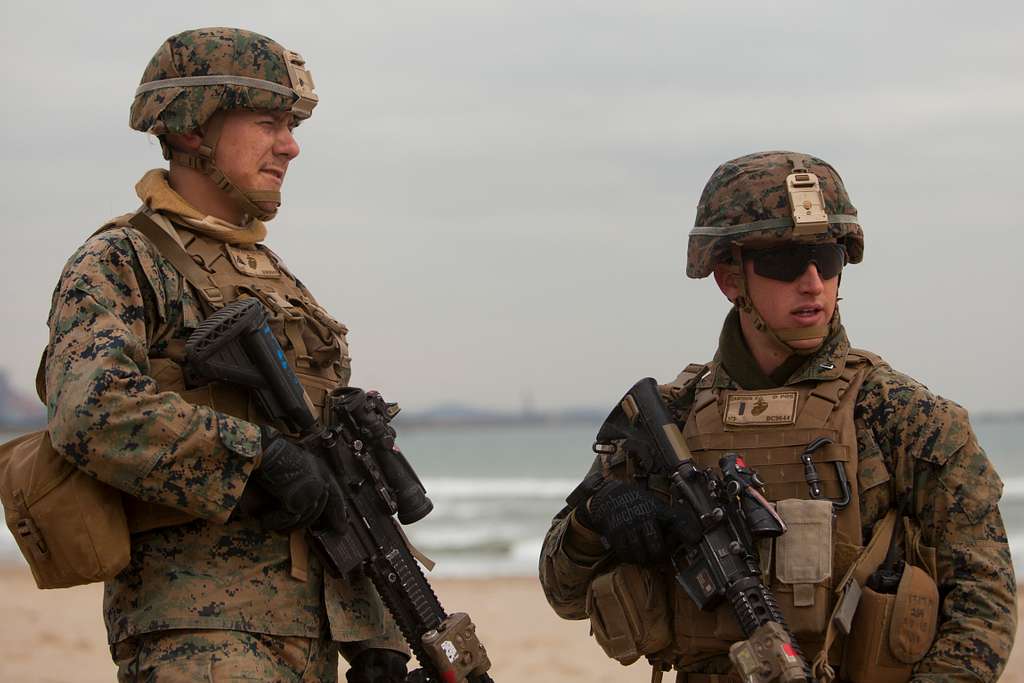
495, 196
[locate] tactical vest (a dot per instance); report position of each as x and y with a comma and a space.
313, 342
771, 430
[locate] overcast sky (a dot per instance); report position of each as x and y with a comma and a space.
495, 196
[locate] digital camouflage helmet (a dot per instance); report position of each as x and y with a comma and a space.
199, 74
767, 198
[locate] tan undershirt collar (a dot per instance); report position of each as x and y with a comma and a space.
155, 192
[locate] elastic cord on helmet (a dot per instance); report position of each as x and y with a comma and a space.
301, 88
203, 160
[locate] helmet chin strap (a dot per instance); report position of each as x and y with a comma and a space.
202, 160
783, 336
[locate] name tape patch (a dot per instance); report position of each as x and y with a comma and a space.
252, 262
776, 408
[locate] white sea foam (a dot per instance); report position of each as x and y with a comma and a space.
462, 536
452, 487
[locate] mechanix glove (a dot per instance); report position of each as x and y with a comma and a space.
292, 488
377, 665
637, 526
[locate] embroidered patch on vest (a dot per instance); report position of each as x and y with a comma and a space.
252, 262
761, 409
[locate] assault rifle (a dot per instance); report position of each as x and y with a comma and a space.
236, 345
723, 564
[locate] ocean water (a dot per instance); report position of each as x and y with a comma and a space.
496, 489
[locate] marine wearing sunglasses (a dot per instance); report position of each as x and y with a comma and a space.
794, 286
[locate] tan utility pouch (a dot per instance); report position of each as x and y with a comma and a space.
628, 609
70, 527
892, 632
801, 581
803, 565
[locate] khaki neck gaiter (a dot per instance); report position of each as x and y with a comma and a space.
155, 192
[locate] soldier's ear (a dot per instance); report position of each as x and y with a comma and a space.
185, 142
727, 279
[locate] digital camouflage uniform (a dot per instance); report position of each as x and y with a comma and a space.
213, 656
912, 446
120, 315
119, 306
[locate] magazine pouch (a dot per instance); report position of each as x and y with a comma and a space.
803, 565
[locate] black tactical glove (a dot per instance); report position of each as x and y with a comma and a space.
637, 526
292, 488
377, 665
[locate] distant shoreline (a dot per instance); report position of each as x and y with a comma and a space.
404, 422
1017, 416
469, 418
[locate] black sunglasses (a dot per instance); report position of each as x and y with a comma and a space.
788, 262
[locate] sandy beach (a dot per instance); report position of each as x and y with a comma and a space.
58, 636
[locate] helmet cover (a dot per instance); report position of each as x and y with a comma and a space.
746, 202
198, 72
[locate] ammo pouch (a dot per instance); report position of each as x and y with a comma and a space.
628, 610
801, 582
71, 528
803, 565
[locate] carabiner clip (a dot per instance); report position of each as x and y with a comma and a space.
814, 481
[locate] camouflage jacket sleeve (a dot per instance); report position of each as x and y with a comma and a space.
934, 456
116, 303
570, 555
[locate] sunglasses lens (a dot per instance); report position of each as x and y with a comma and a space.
830, 259
790, 262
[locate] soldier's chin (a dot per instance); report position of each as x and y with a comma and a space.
806, 345
269, 208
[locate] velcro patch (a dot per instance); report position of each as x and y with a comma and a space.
252, 262
761, 409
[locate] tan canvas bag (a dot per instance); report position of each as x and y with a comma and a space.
70, 527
